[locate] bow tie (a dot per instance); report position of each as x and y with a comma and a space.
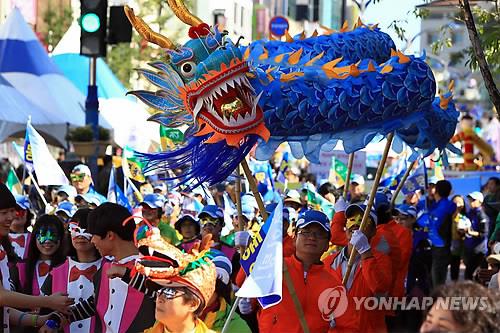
75, 273
21, 241
43, 269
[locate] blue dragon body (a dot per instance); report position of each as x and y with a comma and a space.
310, 92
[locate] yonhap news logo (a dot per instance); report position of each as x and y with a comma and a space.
332, 303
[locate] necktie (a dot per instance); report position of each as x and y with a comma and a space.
75, 273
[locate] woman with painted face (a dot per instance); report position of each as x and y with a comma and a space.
19, 234
75, 275
44, 253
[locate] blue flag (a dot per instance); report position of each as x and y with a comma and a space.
417, 181
262, 262
27, 154
395, 176
115, 193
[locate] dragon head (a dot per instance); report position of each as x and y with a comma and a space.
211, 82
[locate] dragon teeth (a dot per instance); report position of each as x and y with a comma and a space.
199, 104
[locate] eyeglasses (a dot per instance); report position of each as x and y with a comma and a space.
77, 177
171, 293
313, 234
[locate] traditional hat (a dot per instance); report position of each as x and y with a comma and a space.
167, 266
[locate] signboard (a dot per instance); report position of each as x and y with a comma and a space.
278, 26
322, 170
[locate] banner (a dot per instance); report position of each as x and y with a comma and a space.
169, 137
395, 176
13, 182
317, 202
26, 153
48, 171
132, 166
280, 183
262, 262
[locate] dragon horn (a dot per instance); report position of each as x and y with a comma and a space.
180, 10
146, 32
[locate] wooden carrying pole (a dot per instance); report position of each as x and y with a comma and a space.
348, 175
286, 274
402, 182
369, 205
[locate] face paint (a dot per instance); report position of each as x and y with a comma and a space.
46, 234
76, 231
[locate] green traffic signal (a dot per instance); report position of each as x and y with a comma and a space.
90, 22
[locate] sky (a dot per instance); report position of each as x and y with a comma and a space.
385, 11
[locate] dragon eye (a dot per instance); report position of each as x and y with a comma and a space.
188, 69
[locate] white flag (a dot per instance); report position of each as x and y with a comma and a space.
265, 279
48, 172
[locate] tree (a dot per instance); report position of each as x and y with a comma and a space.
57, 21
123, 58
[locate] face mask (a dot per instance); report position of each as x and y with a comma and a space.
46, 234
76, 231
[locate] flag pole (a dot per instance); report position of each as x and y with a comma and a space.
241, 227
288, 279
369, 205
348, 175
38, 189
402, 182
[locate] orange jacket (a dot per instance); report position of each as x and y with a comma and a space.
288, 246
370, 278
283, 317
337, 231
405, 240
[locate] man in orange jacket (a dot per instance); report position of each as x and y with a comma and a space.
370, 276
310, 279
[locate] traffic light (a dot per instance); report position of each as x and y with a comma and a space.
93, 23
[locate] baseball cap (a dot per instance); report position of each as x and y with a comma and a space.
187, 217
271, 207
68, 189
313, 216
161, 187
213, 211
407, 210
358, 179
66, 207
249, 200
23, 202
352, 209
248, 212
293, 196
476, 195
433, 180
82, 168
89, 198
153, 200
494, 257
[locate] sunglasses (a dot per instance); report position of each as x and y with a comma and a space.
20, 213
171, 293
77, 177
207, 220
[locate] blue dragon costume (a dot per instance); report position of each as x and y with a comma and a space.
309, 92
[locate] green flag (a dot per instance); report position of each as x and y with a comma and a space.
13, 182
317, 202
170, 136
340, 170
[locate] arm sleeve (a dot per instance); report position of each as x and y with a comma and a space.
83, 310
138, 282
484, 223
337, 231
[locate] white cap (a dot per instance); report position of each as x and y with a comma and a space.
476, 195
82, 168
358, 179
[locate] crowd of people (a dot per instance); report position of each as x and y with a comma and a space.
172, 264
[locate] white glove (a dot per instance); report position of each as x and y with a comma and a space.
245, 306
241, 238
340, 205
360, 242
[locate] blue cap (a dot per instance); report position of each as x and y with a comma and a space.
407, 210
66, 207
313, 216
358, 179
90, 198
433, 180
271, 207
187, 217
349, 211
22, 202
382, 197
213, 211
249, 200
154, 200
248, 212
68, 189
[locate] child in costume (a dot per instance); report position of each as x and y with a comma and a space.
45, 252
75, 275
189, 227
19, 234
10, 316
